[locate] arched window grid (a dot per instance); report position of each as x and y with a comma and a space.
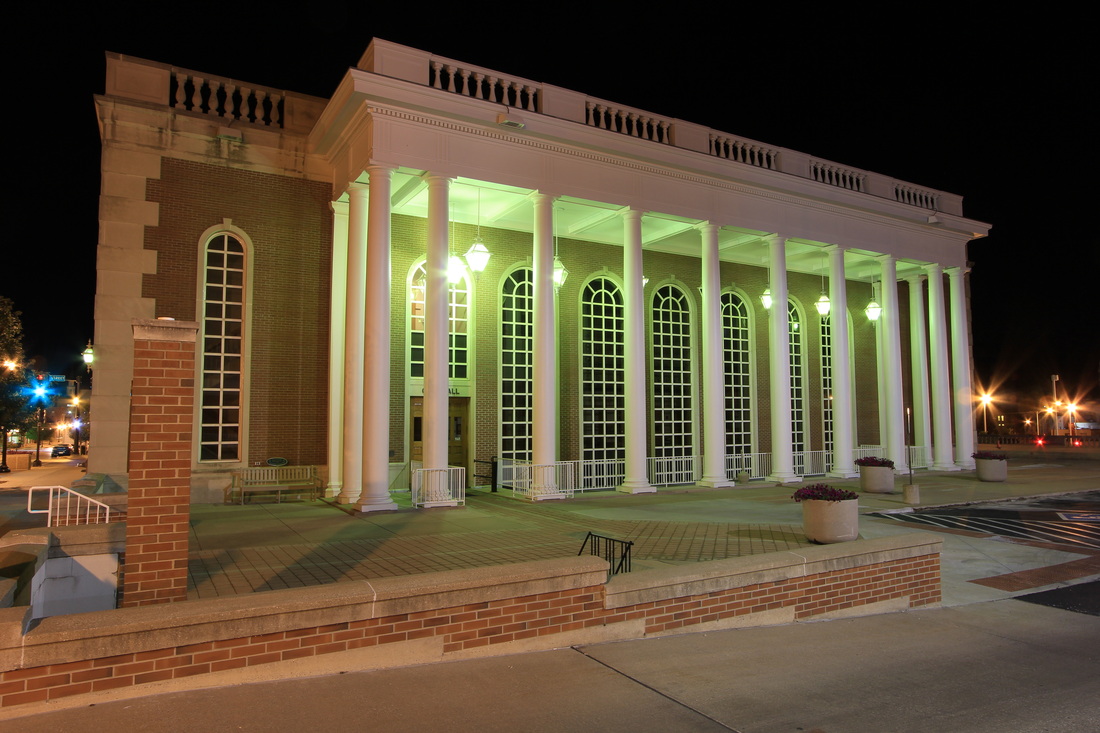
671, 366
826, 332
603, 371
516, 363
224, 314
798, 385
737, 375
458, 331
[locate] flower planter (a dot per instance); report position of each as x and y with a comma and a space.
876, 479
991, 469
826, 522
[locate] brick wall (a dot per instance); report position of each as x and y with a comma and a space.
873, 571
158, 500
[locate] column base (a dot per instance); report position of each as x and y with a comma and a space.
945, 467
425, 505
712, 483
332, 491
347, 497
636, 487
549, 496
967, 465
784, 478
843, 473
367, 505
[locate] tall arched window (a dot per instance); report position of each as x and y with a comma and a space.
222, 349
798, 388
458, 316
827, 388
738, 379
673, 423
516, 321
603, 374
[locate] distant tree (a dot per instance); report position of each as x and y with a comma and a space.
15, 407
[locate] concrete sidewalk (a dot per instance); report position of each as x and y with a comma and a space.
983, 668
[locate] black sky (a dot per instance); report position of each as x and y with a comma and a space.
989, 106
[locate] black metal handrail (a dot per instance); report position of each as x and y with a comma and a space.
479, 465
616, 552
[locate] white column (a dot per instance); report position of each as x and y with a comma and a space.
436, 326
890, 322
779, 341
376, 344
544, 351
942, 447
337, 323
714, 399
918, 345
960, 366
843, 466
353, 344
636, 481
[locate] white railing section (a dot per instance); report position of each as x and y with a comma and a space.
67, 507
439, 486
471, 81
402, 481
545, 480
600, 475
756, 465
866, 451
812, 462
632, 122
917, 196
508, 469
834, 175
673, 470
225, 98
743, 151
919, 456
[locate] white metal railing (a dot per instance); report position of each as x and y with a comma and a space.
866, 451
919, 456
66, 507
756, 465
812, 462
545, 480
402, 481
673, 470
600, 475
508, 469
439, 486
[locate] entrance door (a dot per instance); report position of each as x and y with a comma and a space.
458, 430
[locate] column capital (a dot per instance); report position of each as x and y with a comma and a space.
834, 248
706, 226
916, 278
775, 238
373, 168
355, 187
956, 271
545, 195
339, 208
629, 212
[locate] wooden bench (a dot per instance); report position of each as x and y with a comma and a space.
277, 479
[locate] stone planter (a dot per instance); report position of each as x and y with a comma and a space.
991, 469
825, 522
876, 479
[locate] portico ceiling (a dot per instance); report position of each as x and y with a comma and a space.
509, 207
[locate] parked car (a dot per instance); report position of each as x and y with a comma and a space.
62, 450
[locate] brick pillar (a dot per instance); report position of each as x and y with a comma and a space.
161, 418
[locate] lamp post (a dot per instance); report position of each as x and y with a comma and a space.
986, 399
1071, 411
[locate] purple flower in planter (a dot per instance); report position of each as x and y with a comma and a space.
988, 455
875, 461
823, 492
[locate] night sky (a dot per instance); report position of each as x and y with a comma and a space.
991, 107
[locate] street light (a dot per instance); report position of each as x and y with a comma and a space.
1071, 410
986, 399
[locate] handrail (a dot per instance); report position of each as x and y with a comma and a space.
60, 509
606, 547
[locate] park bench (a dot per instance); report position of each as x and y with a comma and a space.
276, 479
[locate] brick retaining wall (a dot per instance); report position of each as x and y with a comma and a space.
463, 613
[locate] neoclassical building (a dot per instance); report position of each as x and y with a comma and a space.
662, 303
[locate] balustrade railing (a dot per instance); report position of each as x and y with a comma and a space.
484, 84
834, 175
673, 470
916, 196
439, 486
634, 123
743, 151
66, 507
226, 99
